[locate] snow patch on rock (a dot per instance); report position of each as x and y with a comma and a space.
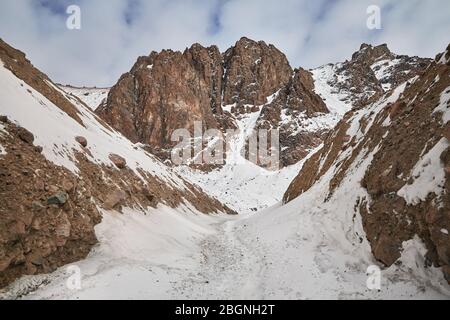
428, 175
92, 97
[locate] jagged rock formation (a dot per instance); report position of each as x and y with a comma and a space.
165, 92
61, 168
254, 71
293, 103
373, 70
400, 143
170, 90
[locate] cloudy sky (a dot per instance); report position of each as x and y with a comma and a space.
114, 32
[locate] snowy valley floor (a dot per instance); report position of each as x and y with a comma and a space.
303, 250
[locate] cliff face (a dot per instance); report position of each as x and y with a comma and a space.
170, 90
401, 145
372, 71
164, 92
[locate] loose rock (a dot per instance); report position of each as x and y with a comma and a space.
118, 161
82, 141
114, 199
25, 135
59, 198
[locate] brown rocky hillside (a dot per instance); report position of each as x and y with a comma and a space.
405, 137
48, 211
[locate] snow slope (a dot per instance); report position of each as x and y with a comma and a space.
303, 250
92, 97
56, 131
240, 184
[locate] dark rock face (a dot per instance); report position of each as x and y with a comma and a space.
170, 90
165, 92
294, 101
254, 71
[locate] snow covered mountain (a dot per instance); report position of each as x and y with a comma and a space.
387, 164
92, 97
363, 182
61, 167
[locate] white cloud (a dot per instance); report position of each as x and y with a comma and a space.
311, 33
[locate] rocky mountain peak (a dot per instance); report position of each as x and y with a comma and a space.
170, 90
404, 143
372, 71
369, 54
254, 71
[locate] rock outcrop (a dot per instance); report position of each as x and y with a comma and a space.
167, 91
254, 71
293, 103
372, 71
171, 90
42, 227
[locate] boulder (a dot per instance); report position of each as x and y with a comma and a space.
446, 132
58, 198
38, 149
386, 250
114, 199
118, 161
4, 119
25, 135
82, 141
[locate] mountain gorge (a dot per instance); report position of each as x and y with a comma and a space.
363, 178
